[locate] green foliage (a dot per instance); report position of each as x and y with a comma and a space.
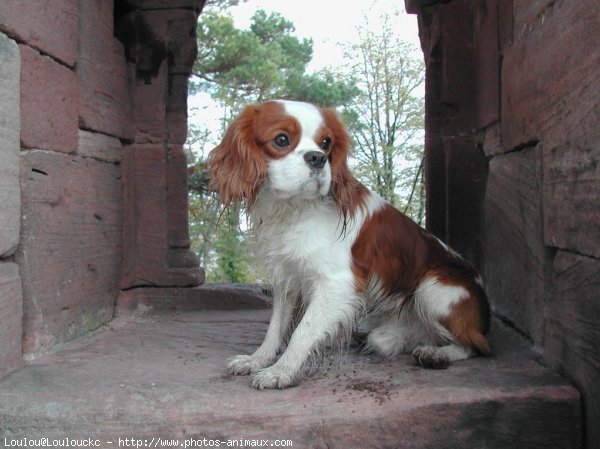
264, 62
217, 236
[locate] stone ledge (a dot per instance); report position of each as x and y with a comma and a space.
137, 301
163, 375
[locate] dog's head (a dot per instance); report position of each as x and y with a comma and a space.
294, 149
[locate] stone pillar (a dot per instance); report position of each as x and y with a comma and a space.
455, 166
159, 39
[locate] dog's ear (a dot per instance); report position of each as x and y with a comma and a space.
237, 165
347, 192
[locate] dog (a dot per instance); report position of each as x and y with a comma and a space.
338, 254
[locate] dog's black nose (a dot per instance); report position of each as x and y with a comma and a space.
315, 159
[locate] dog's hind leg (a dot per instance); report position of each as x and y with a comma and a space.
455, 313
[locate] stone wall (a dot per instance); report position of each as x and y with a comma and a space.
512, 166
92, 171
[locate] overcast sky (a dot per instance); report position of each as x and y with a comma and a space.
330, 22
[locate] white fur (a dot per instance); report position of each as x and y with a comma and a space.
291, 177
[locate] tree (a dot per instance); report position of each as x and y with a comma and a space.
261, 63
386, 117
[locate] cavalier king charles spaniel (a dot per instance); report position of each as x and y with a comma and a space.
338, 254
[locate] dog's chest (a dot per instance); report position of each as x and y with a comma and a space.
311, 237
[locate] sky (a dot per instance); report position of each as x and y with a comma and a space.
329, 23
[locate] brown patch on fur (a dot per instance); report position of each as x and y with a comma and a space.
396, 250
238, 166
347, 191
468, 324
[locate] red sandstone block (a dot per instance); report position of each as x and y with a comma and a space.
70, 252
515, 256
528, 14
147, 223
51, 26
505, 24
492, 143
550, 86
571, 192
49, 102
487, 62
11, 314
10, 193
160, 88
150, 103
103, 74
572, 331
167, 4
99, 146
466, 170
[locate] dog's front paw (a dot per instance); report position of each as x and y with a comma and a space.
431, 357
242, 365
272, 378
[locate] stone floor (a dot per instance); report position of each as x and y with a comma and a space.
161, 375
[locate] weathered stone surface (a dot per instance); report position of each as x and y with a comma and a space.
138, 301
70, 252
146, 226
550, 92
491, 141
177, 199
530, 13
50, 26
413, 6
572, 197
161, 45
167, 4
10, 125
572, 332
505, 25
449, 109
164, 376
466, 175
515, 261
49, 103
99, 146
11, 314
177, 109
103, 74
453, 103
149, 103
487, 62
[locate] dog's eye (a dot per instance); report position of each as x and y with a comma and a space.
282, 141
325, 143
